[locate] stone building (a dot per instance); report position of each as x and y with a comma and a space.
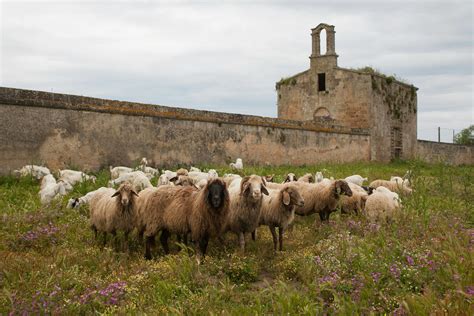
366, 99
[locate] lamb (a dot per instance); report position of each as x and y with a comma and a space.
50, 189
84, 200
278, 210
392, 186
238, 165
73, 176
37, 172
181, 210
308, 178
116, 172
321, 197
356, 202
356, 179
290, 177
163, 180
112, 210
245, 204
381, 204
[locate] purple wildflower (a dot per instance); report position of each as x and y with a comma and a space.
410, 260
395, 271
470, 290
376, 276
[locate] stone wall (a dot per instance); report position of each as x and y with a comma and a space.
88, 133
452, 154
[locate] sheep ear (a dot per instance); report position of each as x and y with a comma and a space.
286, 198
116, 193
287, 179
134, 193
244, 185
264, 190
174, 179
263, 180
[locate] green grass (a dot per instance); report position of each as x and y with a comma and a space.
419, 263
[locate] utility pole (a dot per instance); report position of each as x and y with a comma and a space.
453, 135
439, 134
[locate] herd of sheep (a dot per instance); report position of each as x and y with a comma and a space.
201, 205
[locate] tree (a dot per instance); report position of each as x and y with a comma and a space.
465, 137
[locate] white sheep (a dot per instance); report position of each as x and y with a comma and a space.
137, 179
114, 210
73, 176
50, 189
171, 175
290, 177
381, 204
163, 180
278, 210
356, 179
194, 169
245, 206
319, 176
84, 200
35, 171
238, 164
198, 176
400, 181
115, 172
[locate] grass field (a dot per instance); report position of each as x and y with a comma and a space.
419, 263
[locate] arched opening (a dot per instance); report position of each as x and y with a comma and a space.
322, 42
322, 113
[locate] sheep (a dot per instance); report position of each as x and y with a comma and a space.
130, 177
290, 177
356, 202
278, 210
50, 189
181, 210
245, 204
73, 176
171, 175
186, 181
194, 169
321, 198
182, 172
356, 179
238, 165
84, 200
400, 181
392, 186
308, 178
163, 180
112, 210
37, 172
319, 176
140, 182
269, 177
198, 176
116, 172
230, 177
381, 204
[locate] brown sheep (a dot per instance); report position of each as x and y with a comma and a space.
356, 202
322, 197
181, 210
112, 210
278, 210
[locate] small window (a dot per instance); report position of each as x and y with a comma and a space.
322, 82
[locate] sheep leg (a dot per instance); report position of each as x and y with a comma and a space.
242, 241
280, 237
254, 235
105, 239
164, 241
126, 246
94, 229
201, 247
274, 235
115, 239
150, 240
140, 235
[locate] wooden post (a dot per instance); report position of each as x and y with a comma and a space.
439, 134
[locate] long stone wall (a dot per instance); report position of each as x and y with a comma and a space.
89, 133
452, 154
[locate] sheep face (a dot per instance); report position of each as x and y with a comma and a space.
254, 186
319, 176
125, 194
217, 193
269, 178
290, 178
291, 196
342, 188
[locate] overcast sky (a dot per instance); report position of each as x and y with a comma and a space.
227, 55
